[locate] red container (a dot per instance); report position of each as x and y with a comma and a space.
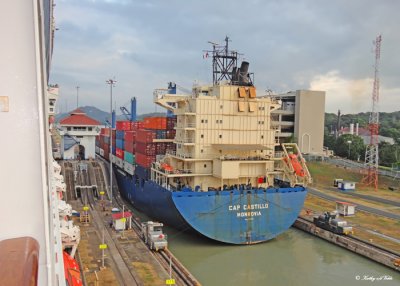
171, 134
146, 148
155, 123
105, 131
124, 125
171, 122
119, 153
143, 160
130, 136
145, 136
114, 134
129, 147
161, 148
137, 125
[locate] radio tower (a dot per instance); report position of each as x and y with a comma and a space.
371, 154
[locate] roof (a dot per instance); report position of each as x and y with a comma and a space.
119, 215
345, 203
78, 117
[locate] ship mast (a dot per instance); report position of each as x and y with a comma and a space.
224, 65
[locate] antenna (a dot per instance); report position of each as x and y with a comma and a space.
371, 153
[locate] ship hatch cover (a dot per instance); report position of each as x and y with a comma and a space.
246, 147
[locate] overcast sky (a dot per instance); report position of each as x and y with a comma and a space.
319, 45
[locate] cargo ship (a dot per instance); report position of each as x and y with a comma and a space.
213, 164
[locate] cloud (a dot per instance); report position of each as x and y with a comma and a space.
290, 45
352, 95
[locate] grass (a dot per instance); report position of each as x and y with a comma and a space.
323, 175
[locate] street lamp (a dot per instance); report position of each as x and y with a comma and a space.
349, 142
111, 82
77, 97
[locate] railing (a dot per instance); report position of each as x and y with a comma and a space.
186, 125
19, 261
184, 140
184, 156
247, 158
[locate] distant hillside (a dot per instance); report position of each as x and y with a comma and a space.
389, 122
102, 116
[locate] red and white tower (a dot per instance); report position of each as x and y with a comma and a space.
371, 154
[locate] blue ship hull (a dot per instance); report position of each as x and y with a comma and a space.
229, 216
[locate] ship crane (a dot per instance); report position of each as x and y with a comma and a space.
131, 116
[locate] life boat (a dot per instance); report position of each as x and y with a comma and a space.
167, 167
298, 169
71, 271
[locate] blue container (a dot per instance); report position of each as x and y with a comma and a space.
120, 144
120, 134
129, 157
113, 149
161, 134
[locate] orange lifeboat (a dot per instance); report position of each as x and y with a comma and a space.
71, 271
167, 167
298, 169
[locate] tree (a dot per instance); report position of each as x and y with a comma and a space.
388, 154
352, 145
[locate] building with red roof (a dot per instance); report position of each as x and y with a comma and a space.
78, 133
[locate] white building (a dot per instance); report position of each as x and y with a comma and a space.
78, 132
301, 118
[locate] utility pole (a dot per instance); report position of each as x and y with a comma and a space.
77, 96
112, 83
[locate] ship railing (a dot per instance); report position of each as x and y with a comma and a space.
159, 93
186, 125
181, 155
247, 158
184, 140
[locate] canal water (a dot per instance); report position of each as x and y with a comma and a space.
293, 258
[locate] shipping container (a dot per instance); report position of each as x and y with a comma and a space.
171, 122
146, 148
161, 134
101, 152
129, 168
143, 160
105, 131
161, 148
145, 136
119, 143
130, 136
129, 146
129, 157
113, 149
171, 134
120, 134
114, 134
155, 123
137, 125
124, 125
119, 153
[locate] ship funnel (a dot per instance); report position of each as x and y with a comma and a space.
243, 73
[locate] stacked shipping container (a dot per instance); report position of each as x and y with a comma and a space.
134, 143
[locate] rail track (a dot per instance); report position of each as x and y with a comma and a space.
166, 259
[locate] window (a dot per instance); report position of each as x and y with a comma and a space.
89, 128
201, 150
220, 135
221, 106
220, 121
68, 128
201, 136
206, 121
51, 109
217, 121
205, 165
202, 121
262, 136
